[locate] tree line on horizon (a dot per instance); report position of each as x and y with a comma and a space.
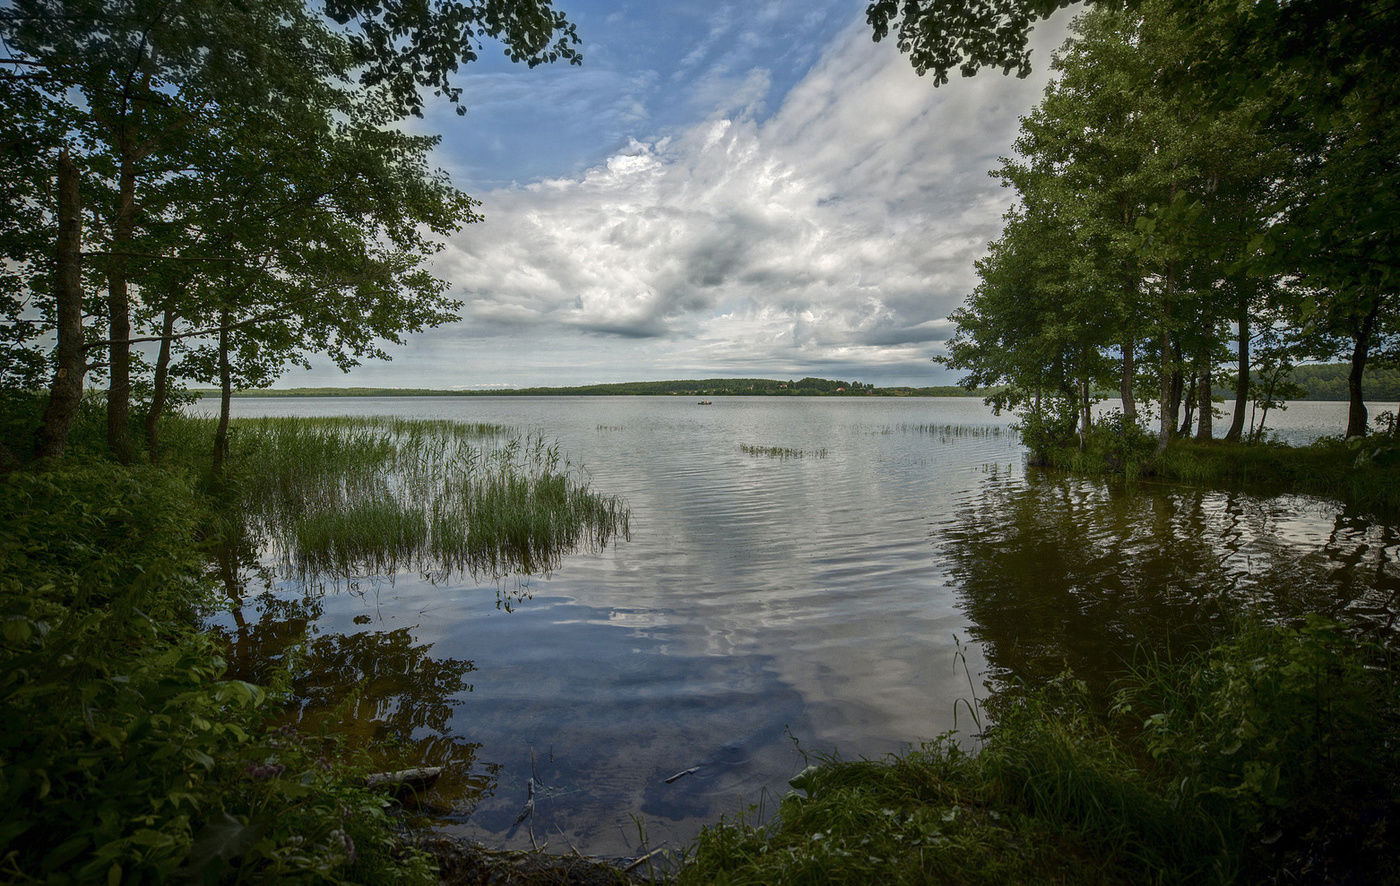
1327, 382
1206, 196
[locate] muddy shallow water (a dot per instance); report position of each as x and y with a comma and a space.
801, 574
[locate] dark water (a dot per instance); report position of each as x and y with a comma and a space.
846, 599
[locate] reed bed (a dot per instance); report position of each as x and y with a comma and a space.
782, 452
950, 431
349, 496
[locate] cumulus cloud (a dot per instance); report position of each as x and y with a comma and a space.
839, 232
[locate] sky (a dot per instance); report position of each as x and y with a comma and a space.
723, 189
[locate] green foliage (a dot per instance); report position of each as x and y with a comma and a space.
1286, 737
1043, 431
1270, 759
921, 817
126, 754
1328, 381
1364, 471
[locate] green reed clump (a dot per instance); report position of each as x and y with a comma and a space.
782, 452
371, 536
353, 495
951, 431
502, 518
1272, 758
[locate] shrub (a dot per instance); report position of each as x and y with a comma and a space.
125, 754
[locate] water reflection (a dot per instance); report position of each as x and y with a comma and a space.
381, 690
764, 593
1057, 571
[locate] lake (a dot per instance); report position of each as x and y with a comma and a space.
802, 575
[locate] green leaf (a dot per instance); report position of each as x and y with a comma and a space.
224, 838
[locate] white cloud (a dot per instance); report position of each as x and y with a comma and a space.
838, 233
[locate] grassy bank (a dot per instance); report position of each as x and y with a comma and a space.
1362, 471
1269, 759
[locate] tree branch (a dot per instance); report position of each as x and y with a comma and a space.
194, 333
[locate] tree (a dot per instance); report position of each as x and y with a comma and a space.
1318, 81
1031, 329
71, 355
1112, 140
939, 35
150, 91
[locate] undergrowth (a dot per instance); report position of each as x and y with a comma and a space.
1364, 471
126, 755
1269, 759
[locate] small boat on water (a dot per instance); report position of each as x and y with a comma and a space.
707, 403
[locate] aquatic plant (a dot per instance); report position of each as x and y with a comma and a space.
351, 496
951, 431
782, 452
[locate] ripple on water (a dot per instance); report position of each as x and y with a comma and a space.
834, 599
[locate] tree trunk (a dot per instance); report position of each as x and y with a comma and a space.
1182, 388
1242, 372
160, 386
1125, 386
119, 316
1258, 433
1356, 409
225, 397
66, 392
1085, 418
1205, 407
1168, 408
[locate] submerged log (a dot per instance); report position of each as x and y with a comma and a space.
405, 782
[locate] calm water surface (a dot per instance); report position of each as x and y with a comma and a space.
847, 600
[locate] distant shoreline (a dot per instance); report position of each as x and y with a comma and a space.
629, 389
1325, 382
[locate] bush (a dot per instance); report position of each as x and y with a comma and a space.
125, 755
1044, 432
1286, 737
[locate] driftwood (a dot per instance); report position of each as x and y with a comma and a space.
682, 774
470, 864
405, 782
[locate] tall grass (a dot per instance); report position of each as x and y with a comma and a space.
347, 495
